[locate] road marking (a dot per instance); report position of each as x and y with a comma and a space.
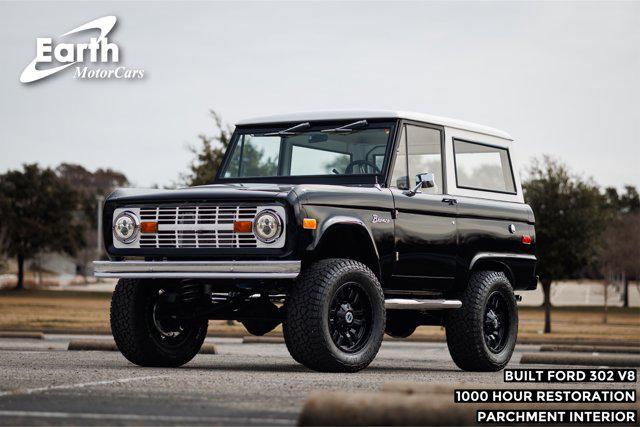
78, 385
135, 417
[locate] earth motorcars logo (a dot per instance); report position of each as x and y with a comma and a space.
97, 51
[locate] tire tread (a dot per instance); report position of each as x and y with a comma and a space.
464, 331
302, 333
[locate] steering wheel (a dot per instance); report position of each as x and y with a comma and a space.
361, 163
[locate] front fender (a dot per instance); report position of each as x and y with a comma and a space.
342, 220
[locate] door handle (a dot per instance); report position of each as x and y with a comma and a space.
450, 201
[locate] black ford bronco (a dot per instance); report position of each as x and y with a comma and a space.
342, 226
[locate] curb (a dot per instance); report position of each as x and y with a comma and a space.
590, 349
581, 359
382, 409
262, 340
20, 334
389, 408
92, 345
579, 341
208, 348
110, 345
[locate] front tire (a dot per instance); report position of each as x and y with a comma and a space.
335, 316
481, 335
146, 336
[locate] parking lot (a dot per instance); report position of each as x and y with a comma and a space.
42, 383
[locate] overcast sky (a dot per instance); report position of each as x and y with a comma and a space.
562, 78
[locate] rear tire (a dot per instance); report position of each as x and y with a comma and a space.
335, 316
481, 335
146, 337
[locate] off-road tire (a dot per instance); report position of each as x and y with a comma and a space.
306, 326
401, 323
133, 333
464, 326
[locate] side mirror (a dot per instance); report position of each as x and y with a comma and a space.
426, 180
423, 180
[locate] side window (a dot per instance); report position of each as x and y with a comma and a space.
399, 176
483, 167
424, 148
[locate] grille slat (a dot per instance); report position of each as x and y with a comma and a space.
180, 217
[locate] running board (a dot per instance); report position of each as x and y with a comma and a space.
421, 304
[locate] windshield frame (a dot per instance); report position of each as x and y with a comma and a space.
370, 179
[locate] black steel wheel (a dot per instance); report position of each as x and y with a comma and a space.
335, 316
350, 317
496, 322
164, 327
146, 328
481, 335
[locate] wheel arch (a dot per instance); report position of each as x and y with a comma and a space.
346, 237
493, 264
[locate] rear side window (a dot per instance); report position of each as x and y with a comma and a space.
483, 167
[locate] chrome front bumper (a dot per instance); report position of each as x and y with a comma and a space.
198, 269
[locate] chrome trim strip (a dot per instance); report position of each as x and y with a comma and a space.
195, 227
500, 255
198, 269
421, 304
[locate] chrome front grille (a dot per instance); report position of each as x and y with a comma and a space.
197, 226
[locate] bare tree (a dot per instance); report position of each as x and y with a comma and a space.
569, 215
4, 246
209, 153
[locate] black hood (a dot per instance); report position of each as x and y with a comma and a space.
229, 192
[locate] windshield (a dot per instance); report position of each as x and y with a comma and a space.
325, 151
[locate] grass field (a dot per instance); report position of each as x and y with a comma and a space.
45, 310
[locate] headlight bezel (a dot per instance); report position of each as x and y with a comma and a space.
136, 227
277, 220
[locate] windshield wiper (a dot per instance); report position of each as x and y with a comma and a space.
293, 130
351, 127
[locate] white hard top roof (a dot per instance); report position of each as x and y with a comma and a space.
374, 114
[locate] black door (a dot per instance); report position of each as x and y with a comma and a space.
425, 226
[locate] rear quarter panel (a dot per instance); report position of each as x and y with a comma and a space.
483, 227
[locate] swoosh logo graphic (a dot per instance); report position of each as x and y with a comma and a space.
104, 24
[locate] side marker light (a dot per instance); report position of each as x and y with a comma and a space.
309, 224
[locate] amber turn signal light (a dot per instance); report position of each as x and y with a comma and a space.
148, 227
242, 226
309, 224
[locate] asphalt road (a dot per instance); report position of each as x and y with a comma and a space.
245, 384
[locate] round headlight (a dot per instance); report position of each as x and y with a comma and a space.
126, 227
267, 226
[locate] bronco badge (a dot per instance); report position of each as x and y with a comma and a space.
377, 219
